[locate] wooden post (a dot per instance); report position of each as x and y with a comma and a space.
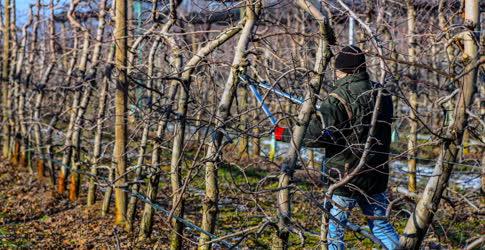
5, 74
121, 100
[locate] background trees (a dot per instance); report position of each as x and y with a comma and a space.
109, 100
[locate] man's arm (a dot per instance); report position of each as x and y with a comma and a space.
325, 121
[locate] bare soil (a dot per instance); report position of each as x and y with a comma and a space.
34, 217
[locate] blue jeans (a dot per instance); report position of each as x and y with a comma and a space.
374, 205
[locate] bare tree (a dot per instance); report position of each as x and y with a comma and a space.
102, 101
5, 82
421, 218
209, 210
323, 54
413, 99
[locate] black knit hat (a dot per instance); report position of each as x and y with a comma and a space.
350, 60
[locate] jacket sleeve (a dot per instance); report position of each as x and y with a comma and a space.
323, 124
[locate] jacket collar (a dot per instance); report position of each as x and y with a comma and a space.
352, 78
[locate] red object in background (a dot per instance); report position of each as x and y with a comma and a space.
278, 133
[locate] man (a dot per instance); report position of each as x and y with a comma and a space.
341, 126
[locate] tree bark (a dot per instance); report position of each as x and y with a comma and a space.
178, 202
421, 218
98, 136
85, 77
66, 157
5, 82
243, 142
154, 177
152, 186
209, 208
21, 86
79, 110
280, 240
11, 100
413, 99
144, 139
121, 102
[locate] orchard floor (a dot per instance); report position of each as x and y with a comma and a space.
34, 217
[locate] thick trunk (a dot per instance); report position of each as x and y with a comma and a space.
121, 102
209, 208
421, 218
280, 240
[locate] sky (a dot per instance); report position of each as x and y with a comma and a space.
23, 8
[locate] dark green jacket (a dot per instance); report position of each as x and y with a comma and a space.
343, 137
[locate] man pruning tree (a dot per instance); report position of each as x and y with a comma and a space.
341, 126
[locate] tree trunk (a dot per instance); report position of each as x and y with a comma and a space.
23, 142
121, 101
482, 179
55, 118
98, 136
280, 240
413, 99
13, 91
79, 111
66, 157
209, 208
152, 187
176, 160
144, 139
86, 94
5, 75
108, 192
243, 108
421, 218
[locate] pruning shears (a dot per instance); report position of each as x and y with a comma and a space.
253, 84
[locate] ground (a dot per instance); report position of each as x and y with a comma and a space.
34, 217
